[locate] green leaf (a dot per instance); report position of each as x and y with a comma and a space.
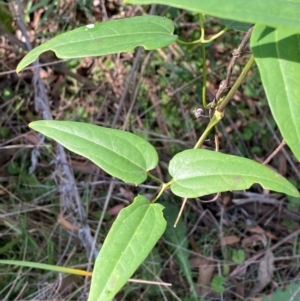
178, 237
217, 284
121, 154
6, 19
277, 54
241, 26
131, 238
199, 172
44, 266
291, 293
103, 38
238, 256
274, 13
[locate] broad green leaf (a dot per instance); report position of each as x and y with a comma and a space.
290, 293
103, 38
199, 172
178, 238
274, 13
241, 26
277, 54
131, 238
121, 154
44, 266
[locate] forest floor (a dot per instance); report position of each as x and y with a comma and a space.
239, 245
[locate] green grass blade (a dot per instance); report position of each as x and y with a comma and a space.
44, 266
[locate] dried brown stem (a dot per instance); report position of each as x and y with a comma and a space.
235, 55
69, 196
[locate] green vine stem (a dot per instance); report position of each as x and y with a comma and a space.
203, 51
163, 187
154, 178
219, 112
202, 39
214, 120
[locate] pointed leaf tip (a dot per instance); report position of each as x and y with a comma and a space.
114, 36
121, 154
131, 238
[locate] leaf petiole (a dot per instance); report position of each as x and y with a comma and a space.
215, 119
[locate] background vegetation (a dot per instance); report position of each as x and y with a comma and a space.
242, 244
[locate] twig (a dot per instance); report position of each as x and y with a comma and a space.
287, 156
94, 247
58, 66
104, 12
130, 77
127, 85
136, 90
69, 196
236, 85
243, 266
276, 151
235, 55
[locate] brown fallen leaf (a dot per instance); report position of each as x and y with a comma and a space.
115, 209
32, 138
127, 194
254, 239
240, 289
259, 230
67, 284
251, 105
229, 240
226, 198
205, 271
84, 166
67, 224
265, 273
